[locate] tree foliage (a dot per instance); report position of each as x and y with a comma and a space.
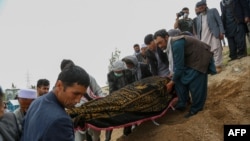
114, 57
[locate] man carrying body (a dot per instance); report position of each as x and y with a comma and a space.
190, 61
46, 119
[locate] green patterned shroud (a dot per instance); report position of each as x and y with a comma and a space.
141, 98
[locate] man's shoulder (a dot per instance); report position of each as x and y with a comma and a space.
127, 71
8, 115
212, 10
138, 55
143, 64
46, 104
110, 74
183, 20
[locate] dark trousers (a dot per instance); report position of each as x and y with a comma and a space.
198, 89
108, 135
237, 43
88, 137
126, 131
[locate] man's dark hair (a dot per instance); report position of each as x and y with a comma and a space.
148, 39
136, 45
42, 82
66, 63
74, 74
162, 33
185, 8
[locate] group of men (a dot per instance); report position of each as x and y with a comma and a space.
187, 58
210, 27
12, 122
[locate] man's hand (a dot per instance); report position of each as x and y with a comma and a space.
221, 36
170, 86
247, 19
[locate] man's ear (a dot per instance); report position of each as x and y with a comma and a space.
166, 37
59, 84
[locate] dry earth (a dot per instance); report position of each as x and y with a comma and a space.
228, 102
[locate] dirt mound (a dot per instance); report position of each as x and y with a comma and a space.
227, 103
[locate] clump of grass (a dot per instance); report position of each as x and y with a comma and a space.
248, 51
225, 55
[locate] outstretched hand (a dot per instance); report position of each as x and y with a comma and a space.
170, 86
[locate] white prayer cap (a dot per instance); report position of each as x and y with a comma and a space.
27, 93
119, 66
143, 45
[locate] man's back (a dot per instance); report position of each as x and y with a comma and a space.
186, 25
46, 120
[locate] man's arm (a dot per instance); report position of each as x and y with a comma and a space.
220, 24
95, 87
178, 57
176, 24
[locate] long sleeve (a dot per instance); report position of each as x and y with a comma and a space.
95, 87
178, 58
219, 21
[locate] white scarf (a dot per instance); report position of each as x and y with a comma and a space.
170, 56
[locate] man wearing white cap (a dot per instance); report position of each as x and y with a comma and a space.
142, 55
25, 97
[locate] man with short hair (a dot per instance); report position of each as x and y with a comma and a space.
42, 87
94, 91
136, 49
185, 24
46, 119
157, 59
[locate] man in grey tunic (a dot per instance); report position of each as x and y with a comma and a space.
211, 31
25, 97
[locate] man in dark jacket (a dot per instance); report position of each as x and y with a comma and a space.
157, 59
235, 16
119, 77
46, 119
